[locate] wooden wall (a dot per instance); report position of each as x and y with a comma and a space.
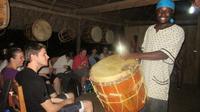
188, 57
22, 18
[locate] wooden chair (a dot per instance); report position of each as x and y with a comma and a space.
4, 95
16, 100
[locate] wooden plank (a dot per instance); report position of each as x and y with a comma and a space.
197, 51
66, 14
117, 6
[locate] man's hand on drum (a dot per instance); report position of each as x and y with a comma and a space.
131, 56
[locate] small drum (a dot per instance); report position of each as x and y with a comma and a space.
40, 31
66, 35
4, 13
118, 84
109, 36
93, 34
96, 34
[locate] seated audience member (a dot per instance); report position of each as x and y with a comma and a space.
80, 66
15, 59
35, 92
46, 73
61, 67
55, 97
94, 57
62, 64
104, 53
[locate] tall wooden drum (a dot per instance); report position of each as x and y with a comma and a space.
4, 13
118, 84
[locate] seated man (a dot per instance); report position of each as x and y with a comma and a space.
34, 88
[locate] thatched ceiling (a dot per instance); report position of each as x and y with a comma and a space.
65, 12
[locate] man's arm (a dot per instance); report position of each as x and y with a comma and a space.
157, 55
49, 106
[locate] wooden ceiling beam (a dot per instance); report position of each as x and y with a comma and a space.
117, 6
64, 14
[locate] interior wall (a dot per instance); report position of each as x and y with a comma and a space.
130, 31
21, 19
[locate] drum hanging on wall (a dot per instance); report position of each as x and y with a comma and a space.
109, 36
39, 31
93, 35
4, 13
66, 35
96, 34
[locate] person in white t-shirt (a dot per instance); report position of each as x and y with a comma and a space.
62, 64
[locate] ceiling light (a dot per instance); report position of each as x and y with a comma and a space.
191, 9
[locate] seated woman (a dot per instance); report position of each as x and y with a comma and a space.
15, 58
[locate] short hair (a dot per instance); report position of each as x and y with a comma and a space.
32, 49
11, 52
82, 49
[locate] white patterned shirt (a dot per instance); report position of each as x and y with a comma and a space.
157, 72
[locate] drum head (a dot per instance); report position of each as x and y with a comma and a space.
4, 13
96, 34
112, 68
109, 37
41, 30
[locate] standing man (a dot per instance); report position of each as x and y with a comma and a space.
161, 45
34, 88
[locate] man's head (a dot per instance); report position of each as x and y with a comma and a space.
83, 52
105, 50
94, 51
36, 53
164, 11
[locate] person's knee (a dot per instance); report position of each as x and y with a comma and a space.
88, 105
70, 95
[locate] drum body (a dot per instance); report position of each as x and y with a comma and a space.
4, 13
39, 31
118, 84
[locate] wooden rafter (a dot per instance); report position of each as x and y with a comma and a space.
64, 14
117, 6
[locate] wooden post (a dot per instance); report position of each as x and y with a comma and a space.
197, 51
78, 40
